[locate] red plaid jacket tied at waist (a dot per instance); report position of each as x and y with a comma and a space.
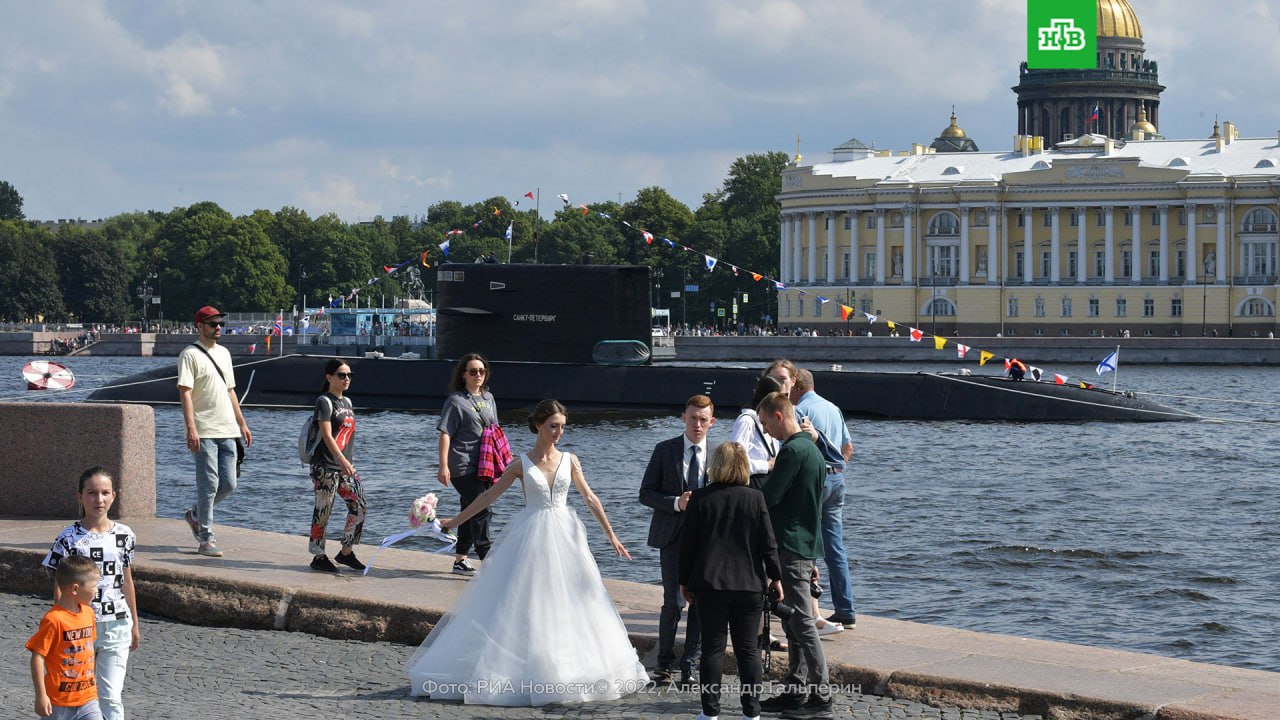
495, 454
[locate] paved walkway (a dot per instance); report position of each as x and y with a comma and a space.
263, 584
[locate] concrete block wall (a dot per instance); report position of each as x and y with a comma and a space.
45, 447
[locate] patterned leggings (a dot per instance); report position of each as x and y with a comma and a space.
329, 483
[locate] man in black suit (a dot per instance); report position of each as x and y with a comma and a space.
727, 554
676, 468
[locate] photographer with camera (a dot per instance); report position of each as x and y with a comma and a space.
793, 494
727, 551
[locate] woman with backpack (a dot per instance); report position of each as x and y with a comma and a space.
332, 473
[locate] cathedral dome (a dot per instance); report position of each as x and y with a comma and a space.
952, 130
1117, 19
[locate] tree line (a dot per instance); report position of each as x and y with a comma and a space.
202, 254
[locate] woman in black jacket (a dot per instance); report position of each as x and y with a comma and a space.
727, 550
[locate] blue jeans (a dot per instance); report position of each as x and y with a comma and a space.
215, 480
838, 581
111, 660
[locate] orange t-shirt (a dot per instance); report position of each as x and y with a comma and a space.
65, 640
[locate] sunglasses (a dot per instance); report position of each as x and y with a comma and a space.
476, 371
345, 376
215, 323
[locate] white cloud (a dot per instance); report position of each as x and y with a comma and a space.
374, 107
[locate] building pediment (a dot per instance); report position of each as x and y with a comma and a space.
1081, 171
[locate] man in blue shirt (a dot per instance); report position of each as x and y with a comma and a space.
837, 447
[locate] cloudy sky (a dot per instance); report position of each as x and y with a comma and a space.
387, 106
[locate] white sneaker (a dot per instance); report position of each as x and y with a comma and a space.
829, 628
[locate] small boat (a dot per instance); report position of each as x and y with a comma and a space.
578, 334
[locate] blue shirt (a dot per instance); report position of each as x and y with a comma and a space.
828, 420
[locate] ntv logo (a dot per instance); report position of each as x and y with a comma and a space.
1062, 34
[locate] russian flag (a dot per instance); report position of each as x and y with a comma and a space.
1094, 116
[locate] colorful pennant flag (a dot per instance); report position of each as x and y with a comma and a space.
1059, 379
754, 276
939, 342
916, 335
509, 226
983, 357
444, 248
253, 348
648, 237
845, 312
822, 300
961, 350
564, 197
871, 319
892, 325
529, 194
1036, 373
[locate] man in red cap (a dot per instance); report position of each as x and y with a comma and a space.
214, 423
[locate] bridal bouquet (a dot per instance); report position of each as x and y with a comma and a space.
423, 521
423, 511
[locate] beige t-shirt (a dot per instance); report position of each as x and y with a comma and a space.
215, 418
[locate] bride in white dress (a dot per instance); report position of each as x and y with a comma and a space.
535, 625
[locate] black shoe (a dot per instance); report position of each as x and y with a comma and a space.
662, 676
323, 564
687, 682
783, 703
814, 707
350, 560
462, 567
848, 622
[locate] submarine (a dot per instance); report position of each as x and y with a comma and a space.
582, 334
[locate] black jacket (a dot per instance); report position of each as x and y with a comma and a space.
727, 542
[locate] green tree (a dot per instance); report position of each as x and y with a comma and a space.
28, 275
95, 282
655, 211
574, 236
10, 202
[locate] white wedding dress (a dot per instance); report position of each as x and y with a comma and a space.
535, 624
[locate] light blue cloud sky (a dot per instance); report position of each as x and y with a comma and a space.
366, 108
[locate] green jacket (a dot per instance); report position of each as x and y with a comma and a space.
793, 493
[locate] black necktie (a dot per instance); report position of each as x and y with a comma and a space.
693, 480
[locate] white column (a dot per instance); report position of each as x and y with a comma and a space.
908, 246
964, 246
1193, 256
995, 254
831, 248
1222, 243
784, 249
1028, 252
811, 267
1055, 270
1164, 244
1135, 277
1082, 245
1005, 260
1109, 257
880, 246
855, 221
795, 248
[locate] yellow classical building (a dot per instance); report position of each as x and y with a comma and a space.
1087, 236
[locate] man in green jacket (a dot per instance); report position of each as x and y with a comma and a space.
793, 493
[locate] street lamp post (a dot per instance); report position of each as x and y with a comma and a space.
1204, 303
145, 294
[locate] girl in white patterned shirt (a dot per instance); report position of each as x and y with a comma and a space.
110, 546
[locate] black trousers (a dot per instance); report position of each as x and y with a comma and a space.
669, 617
740, 613
474, 532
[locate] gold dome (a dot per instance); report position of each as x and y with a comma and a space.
1117, 19
1146, 127
953, 130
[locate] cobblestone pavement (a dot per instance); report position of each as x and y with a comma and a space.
214, 673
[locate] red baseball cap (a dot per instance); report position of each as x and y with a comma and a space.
206, 312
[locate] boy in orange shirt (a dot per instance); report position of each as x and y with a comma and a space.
62, 649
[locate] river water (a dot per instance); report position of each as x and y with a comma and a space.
1159, 538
